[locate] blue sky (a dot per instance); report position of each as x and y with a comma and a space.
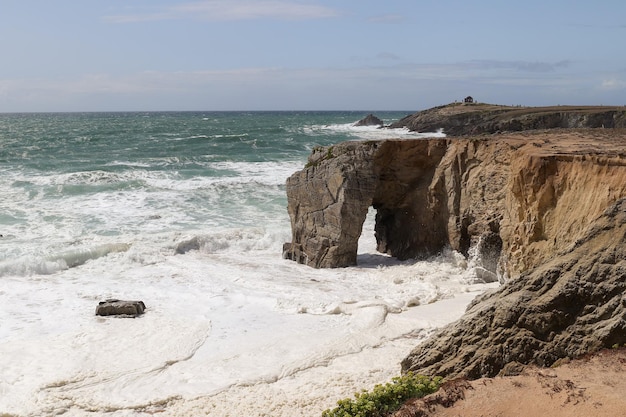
114, 55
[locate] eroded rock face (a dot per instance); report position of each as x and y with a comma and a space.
329, 200
569, 306
518, 199
546, 210
328, 203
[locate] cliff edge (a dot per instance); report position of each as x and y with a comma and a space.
543, 211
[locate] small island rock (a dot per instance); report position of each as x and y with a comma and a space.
369, 120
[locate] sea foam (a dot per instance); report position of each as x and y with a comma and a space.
187, 212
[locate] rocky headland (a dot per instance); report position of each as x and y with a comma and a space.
542, 210
459, 119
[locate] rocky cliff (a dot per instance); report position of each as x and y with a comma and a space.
329, 200
543, 210
519, 198
458, 119
571, 305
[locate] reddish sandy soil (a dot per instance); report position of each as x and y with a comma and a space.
591, 386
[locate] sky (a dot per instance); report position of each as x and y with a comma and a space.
160, 55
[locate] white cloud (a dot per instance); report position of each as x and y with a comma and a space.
613, 84
229, 10
522, 66
389, 86
315, 79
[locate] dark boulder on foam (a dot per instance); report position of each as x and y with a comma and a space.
113, 307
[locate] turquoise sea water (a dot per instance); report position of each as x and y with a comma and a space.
188, 170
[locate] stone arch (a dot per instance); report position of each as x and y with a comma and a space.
330, 198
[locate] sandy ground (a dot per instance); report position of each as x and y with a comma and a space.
590, 386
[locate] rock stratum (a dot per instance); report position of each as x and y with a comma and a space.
543, 211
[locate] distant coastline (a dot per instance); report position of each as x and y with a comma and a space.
459, 119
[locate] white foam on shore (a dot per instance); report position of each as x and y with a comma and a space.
195, 232
372, 132
226, 332
308, 393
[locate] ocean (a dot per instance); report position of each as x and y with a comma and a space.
187, 212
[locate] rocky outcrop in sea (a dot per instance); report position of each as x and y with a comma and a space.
369, 120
